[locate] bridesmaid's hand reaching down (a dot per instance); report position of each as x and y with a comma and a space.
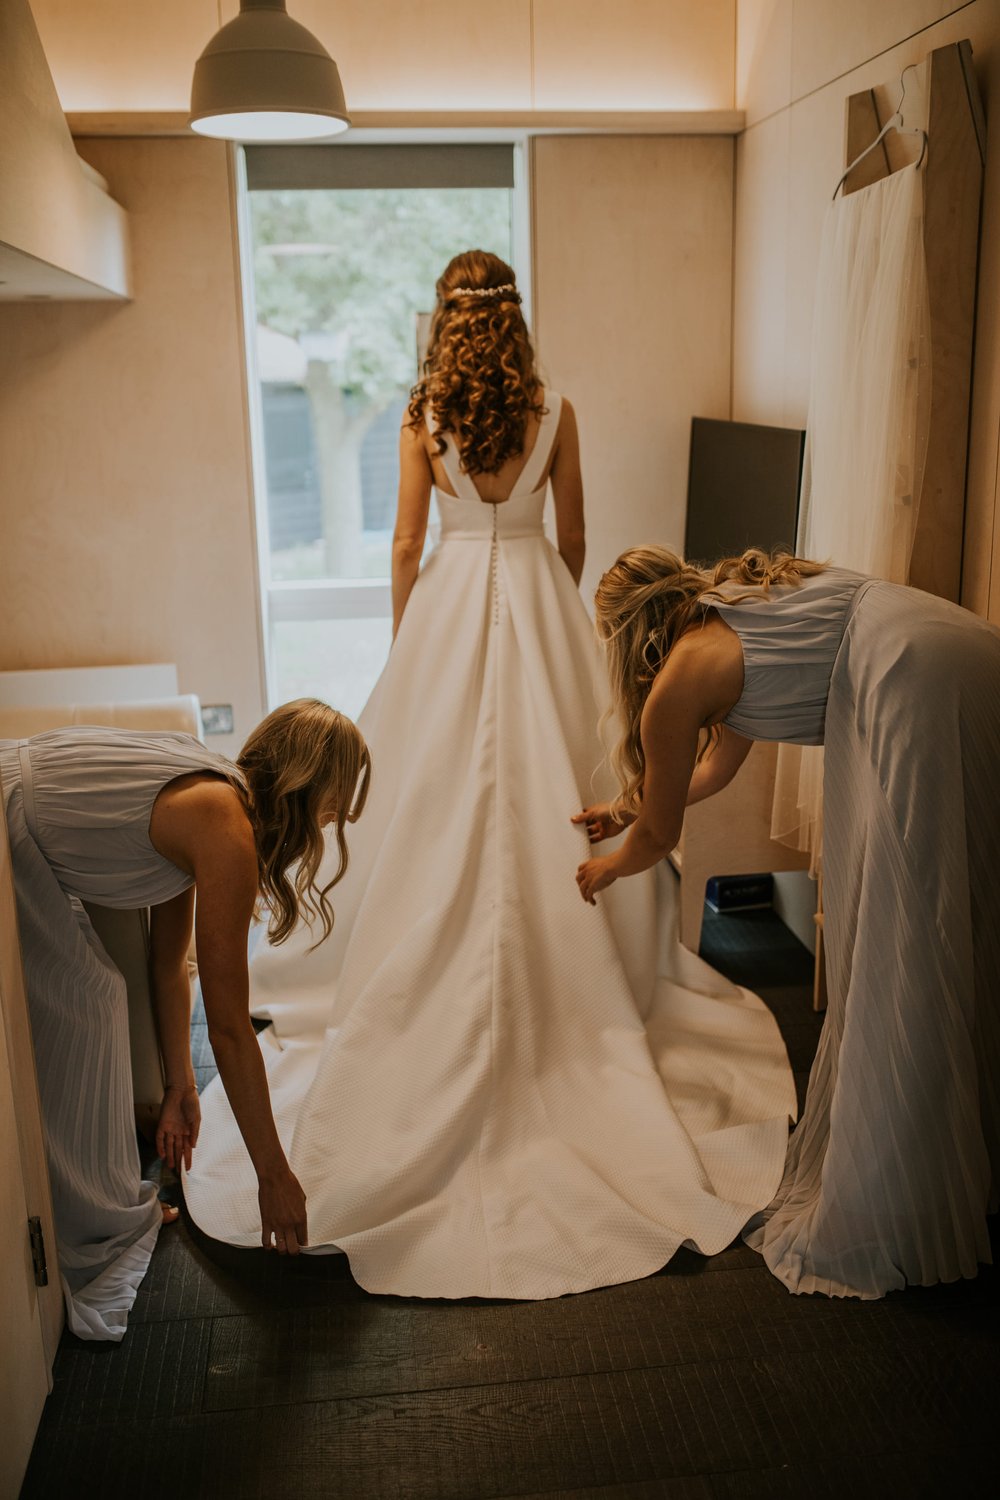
178, 1126
282, 1213
596, 875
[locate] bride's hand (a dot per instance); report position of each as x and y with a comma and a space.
599, 823
595, 875
178, 1126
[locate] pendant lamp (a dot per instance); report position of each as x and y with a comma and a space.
264, 77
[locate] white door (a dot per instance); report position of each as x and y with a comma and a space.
24, 1375
30, 1315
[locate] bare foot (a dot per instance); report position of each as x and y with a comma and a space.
169, 1212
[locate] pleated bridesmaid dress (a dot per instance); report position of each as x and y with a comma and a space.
78, 803
893, 1168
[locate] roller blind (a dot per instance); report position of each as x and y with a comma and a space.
344, 166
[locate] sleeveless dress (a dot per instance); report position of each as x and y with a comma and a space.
893, 1168
78, 803
485, 1086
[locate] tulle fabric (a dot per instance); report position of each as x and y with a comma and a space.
866, 430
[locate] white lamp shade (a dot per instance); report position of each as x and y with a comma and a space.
264, 77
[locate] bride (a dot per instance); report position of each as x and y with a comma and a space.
486, 1087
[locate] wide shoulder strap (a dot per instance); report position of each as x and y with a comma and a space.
460, 482
530, 476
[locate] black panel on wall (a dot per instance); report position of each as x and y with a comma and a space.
743, 488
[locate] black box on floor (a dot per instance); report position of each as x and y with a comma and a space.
739, 892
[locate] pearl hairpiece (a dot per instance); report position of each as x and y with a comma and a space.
482, 291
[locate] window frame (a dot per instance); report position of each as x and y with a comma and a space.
348, 598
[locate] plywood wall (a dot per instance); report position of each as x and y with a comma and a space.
633, 279
129, 531
51, 213
137, 55
127, 526
123, 432
797, 61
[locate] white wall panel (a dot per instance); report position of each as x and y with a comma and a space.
763, 57
137, 55
123, 439
760, 279
633, 279
426, 54
778, 231
124, 54
830, 39
635, 54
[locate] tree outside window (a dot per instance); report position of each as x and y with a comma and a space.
341, 278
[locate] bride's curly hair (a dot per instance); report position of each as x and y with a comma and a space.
643, 605
479, 380
302, 764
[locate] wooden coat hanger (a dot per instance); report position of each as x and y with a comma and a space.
896, 121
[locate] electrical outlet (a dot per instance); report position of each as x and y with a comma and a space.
217, 718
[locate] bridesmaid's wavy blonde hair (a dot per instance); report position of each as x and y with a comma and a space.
479, 381
643, 605
302, 763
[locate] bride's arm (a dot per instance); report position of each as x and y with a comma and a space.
567, 492
411, 518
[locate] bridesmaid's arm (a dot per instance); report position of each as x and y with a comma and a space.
697, 685
567, 493
412, 510
170, 926
202, 827
180, 1113
669, 732
719, 765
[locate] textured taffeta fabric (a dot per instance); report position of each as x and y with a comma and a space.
485, 1086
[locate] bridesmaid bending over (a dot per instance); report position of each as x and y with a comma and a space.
889, 1174
127, 819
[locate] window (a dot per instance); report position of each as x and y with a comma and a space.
345, 245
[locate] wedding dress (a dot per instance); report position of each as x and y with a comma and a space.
486, 1086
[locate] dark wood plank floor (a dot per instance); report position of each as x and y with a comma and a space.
245, 1376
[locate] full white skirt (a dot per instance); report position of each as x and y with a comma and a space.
487, 1087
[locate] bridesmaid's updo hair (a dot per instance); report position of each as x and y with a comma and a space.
479, 381
643, 605
303, 762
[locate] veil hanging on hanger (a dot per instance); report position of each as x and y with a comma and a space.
867, 426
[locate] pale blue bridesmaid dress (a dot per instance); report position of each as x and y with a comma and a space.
78, 803
893, 1168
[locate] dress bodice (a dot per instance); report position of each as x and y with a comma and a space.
790, 638
465, 516
88, 793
